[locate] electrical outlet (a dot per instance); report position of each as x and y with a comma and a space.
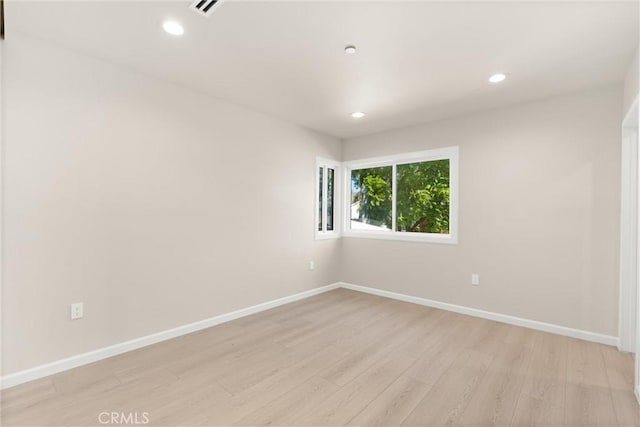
312, 265
77, 311
475, 279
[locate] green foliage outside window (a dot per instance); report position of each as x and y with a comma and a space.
422, 199
422, 202
371, 190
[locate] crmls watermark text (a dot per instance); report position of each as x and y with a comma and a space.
123, 418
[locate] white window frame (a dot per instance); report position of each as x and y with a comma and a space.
337, 208
450, 153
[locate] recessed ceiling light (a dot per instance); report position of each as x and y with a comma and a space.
497, 78
173, 28
357, 115
350, 50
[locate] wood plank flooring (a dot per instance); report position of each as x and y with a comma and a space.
344, 358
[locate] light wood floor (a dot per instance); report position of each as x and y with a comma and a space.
345, 358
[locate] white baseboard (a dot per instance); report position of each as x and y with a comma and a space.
41, 371
512, 320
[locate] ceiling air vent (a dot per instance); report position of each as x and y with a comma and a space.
205, 7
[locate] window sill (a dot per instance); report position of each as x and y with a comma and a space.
326, 236
448, 239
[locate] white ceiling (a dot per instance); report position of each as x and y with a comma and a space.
416, 61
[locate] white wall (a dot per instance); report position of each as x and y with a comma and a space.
631, 88
153, 205
539, 214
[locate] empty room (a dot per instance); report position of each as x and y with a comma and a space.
319, 213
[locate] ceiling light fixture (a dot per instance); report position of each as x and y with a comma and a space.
174, 28
497, 78
357, 115
350, 50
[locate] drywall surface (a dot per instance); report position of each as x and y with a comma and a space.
631, 88
153, 205
539, 214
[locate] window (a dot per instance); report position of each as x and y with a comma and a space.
326, 206
371, 198
404, 197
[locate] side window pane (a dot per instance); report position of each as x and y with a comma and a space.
371, 198
422, 202
330, 192
320, 177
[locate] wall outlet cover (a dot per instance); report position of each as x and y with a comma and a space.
77, 311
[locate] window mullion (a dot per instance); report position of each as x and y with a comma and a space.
393, 197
